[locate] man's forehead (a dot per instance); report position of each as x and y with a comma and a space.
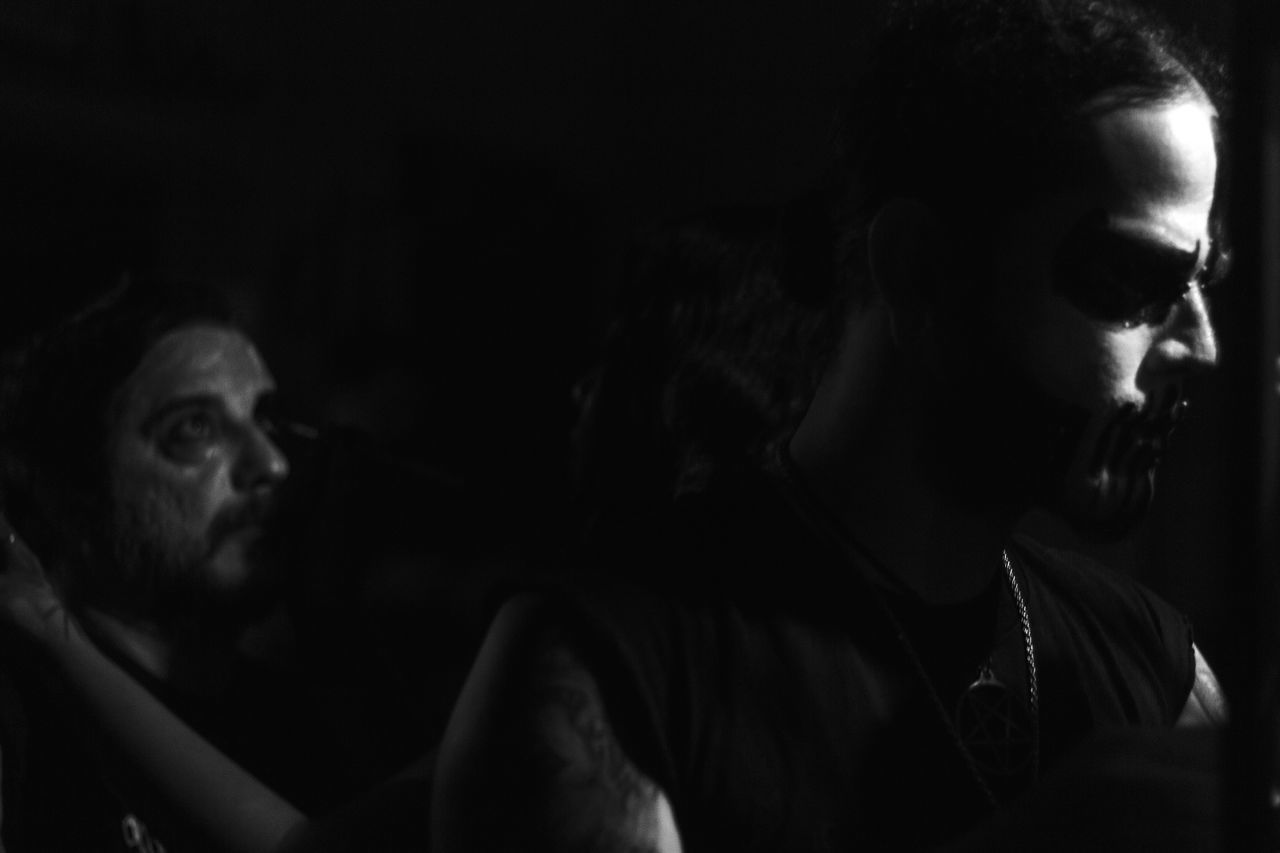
1158, 158
1147, 171
200, 359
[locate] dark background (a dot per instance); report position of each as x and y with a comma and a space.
420, 206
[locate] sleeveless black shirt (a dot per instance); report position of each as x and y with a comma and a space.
748, 669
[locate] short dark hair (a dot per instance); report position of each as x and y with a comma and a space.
56, 392
977, 102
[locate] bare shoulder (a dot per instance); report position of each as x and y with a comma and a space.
1206, 705
530, 760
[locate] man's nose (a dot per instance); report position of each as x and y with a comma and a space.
1188, 342
261, 464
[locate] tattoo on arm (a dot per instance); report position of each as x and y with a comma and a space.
591, 796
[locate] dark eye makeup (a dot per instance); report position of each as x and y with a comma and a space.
1120, 278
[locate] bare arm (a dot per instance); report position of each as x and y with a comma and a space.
530, 760
1206, 705
1150, 788
185, 789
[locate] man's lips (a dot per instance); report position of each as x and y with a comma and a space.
1126, 453
1135, 437
246, 523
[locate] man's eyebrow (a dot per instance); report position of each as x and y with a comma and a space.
178, 403
1166, 257
1162, 252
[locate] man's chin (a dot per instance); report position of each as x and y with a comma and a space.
237, 582
1107, 506
1108, 486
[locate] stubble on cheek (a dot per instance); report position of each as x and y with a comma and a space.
154, 542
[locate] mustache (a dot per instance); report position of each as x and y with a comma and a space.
250, 513
1139, 432
1128, 451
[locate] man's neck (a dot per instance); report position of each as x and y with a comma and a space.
196, 666
863, 450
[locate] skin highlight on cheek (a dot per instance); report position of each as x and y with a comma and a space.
1115, 369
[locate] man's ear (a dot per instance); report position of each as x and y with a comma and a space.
903, 251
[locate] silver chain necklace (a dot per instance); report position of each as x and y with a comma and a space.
984, 705
991, 729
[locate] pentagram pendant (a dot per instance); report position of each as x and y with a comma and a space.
997, 730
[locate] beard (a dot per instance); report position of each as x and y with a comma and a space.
157, 568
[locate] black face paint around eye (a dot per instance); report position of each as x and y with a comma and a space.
1118, 278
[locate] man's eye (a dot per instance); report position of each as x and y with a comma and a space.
1118, 292
193, 428
1154, 313
1115, 279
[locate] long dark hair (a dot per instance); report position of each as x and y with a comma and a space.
713, 355
56, 390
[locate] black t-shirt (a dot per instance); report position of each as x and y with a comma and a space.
749, 670
56, 799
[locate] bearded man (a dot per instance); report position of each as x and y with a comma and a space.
140, 460
850, 649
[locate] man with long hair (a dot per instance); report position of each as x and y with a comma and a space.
850, 648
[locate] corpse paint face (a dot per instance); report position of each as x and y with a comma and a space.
1099, 301
192, 468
